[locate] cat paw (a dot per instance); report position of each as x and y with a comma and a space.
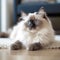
16, 46
35, 46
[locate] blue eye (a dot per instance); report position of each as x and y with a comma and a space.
20, 19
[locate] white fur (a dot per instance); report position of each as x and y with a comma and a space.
45, 35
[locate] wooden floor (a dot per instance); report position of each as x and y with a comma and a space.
30, 55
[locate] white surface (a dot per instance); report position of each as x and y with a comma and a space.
57, 37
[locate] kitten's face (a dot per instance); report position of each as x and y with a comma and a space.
33, 21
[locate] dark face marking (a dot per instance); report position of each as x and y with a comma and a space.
31, 24
45, 16
37, 12
20, 19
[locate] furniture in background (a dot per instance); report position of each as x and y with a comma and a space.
52, 9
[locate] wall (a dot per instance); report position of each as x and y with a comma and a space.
10, 8
58, 1
6, 14
3, 15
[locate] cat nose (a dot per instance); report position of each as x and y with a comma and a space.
31, 24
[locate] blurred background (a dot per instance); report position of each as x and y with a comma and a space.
10, 11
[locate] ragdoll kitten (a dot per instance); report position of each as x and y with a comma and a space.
33, 32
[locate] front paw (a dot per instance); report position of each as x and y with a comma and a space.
35, 46
16, 46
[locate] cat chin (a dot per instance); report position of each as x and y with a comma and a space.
31, 31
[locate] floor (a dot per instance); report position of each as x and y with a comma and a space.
47, 54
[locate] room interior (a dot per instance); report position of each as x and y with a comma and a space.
12, 11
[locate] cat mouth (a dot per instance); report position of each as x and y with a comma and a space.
32, 27
31, 30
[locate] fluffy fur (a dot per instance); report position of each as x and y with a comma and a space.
42, 34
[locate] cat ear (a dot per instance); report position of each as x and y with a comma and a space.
41, 10
20, 19
45, 16
23, 13
43, 13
